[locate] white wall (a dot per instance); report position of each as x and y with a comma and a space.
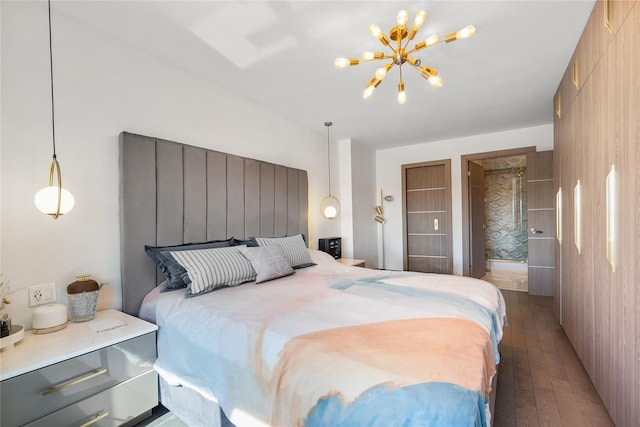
388, 175
103, 87
364, 199
346, 197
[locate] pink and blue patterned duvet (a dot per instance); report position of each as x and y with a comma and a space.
334, 345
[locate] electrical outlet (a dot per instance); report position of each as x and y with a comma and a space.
42, 294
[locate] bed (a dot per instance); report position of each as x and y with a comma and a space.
328, 345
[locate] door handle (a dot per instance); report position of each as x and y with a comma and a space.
536, 231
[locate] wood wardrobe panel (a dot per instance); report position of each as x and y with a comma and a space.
635, 135
625, 381
597, 95
599, 133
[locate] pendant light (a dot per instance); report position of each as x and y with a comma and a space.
330, 206
53, 200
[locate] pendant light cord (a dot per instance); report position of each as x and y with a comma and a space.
328, 124
53, 121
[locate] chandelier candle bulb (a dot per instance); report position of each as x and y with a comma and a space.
417, 23
382, 71
466, 32
343, 62
403, 17
402, 96
368, 92
435, 81
369, 56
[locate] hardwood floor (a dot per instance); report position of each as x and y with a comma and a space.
541, 381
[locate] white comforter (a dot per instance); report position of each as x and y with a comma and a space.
231, 344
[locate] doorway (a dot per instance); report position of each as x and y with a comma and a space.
494, 211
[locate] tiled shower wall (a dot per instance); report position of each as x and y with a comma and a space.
506, 208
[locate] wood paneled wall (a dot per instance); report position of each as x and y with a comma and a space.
597, 126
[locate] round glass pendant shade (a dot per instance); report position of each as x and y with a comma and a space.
330, 207
46, 201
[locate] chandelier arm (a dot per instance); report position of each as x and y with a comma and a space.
409, 40
419, 69
388, 45
426, 47
377, 59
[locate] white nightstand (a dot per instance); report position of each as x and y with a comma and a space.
77, 376
352, 262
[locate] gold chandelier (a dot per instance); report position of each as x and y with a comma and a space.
400, 55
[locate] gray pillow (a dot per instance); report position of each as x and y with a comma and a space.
209, 269
293, 247
171, 269
268, 262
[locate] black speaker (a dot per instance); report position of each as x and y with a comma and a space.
331, 245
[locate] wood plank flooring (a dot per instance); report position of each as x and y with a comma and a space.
541, 381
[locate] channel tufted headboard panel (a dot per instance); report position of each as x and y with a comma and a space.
173, 193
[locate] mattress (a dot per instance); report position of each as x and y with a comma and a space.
336, 345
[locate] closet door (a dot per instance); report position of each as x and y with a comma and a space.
427, 217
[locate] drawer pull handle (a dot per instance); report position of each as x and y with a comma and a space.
93, 374
95, 418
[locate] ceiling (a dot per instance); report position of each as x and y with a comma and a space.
280, 54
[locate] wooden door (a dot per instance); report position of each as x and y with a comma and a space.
541, 219
427, 217
477, 244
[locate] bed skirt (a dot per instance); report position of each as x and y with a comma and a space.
191, 407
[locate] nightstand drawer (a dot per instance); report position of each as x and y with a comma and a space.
112, 407
40, 392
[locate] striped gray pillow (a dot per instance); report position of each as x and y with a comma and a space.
294, 249
208, 269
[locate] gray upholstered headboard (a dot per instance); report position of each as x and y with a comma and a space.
172, 193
